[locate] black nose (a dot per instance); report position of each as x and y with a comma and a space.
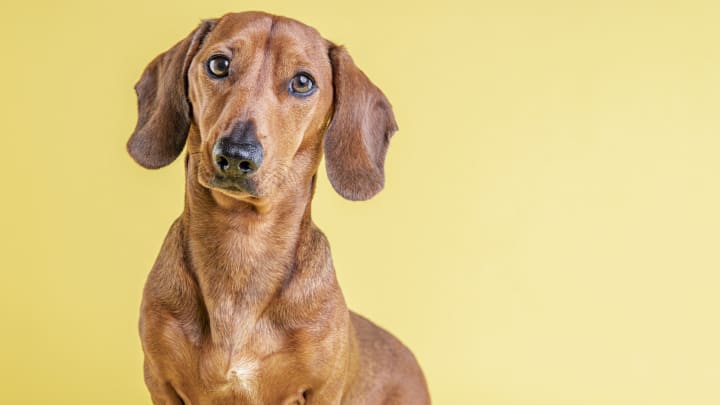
239, 153
237, 159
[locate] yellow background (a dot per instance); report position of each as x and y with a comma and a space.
548, 234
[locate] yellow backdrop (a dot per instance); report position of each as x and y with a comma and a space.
548, 234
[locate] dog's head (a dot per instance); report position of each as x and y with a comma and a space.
253, 96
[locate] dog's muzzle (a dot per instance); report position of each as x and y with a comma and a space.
236, 157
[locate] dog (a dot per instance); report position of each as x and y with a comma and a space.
242, 305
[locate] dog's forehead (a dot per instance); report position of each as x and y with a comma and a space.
261, 28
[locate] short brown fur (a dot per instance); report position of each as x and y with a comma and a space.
242, 305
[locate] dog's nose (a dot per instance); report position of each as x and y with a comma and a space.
239, 153
237, 159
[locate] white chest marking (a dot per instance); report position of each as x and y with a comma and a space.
242, 374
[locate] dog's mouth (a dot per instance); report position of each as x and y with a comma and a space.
236, 187
240, 187
225, 190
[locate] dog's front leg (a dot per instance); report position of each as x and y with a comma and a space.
161, 392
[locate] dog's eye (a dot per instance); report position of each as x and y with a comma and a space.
218, 66
302, 85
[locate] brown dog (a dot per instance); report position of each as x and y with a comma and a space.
242, 305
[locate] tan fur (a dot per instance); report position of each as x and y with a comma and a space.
242, 305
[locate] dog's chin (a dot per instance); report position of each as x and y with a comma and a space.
242, 186
237, 188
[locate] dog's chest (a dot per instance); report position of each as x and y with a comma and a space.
262, 367
231, 362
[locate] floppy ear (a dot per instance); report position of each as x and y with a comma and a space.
163, 105
357, 138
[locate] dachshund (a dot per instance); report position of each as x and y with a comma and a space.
242, 305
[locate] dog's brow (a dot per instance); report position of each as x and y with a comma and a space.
295, 56
224, 49
298, 58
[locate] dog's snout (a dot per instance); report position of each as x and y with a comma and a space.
237, 159
239, 153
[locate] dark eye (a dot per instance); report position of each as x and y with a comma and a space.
302, 85
218, 66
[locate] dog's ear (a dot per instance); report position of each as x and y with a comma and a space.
357, 138
163, 105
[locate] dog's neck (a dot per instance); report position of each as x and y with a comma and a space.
241, 255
